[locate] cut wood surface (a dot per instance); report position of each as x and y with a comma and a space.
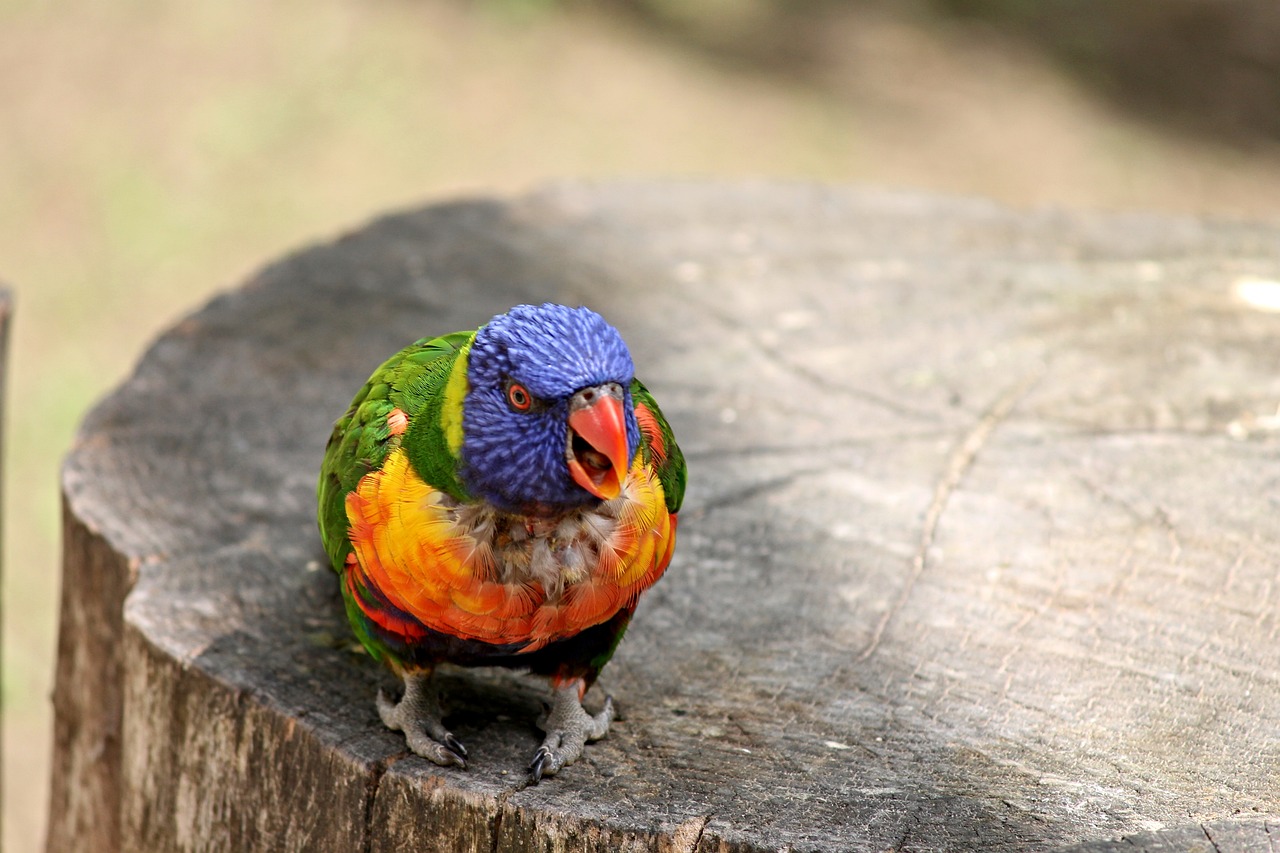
979, 549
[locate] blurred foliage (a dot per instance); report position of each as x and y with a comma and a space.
1206, 65
1211, 67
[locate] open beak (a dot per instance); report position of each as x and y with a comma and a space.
597, 449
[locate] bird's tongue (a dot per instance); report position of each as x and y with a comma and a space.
598, 447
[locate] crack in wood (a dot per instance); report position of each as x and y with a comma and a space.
499, 806
903, 837
374, 782
820, 381
959, 462
1208, 835
688, 835
1158, 517
813, 377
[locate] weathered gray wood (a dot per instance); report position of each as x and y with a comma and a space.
1235, 836
978, 552
87, 699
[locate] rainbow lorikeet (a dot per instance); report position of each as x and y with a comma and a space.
501, 497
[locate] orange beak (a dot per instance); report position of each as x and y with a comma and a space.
597, 451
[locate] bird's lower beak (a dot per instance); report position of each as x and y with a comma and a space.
597, 451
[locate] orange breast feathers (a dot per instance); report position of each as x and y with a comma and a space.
482, 575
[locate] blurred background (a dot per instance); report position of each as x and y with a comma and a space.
153, 153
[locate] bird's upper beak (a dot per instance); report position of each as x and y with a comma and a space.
597, 449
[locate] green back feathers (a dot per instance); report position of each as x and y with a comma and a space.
661, 450
414, 381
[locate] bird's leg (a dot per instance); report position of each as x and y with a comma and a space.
568, 727
417, 714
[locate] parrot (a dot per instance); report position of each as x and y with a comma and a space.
501, 498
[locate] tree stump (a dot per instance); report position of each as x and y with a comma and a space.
979, 549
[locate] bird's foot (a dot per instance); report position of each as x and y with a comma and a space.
569, 727
417, 714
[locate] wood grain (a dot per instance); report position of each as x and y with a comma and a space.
978, 551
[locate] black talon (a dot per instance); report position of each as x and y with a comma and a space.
539, 760
454, 745
458, 760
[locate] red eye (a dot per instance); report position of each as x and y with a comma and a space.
519, 398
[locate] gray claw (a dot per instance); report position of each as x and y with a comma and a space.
539, 762
569, 728
417, 714
454, 744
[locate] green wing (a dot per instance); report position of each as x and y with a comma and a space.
413, 381
659, 446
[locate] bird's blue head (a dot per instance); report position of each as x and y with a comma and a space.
548, 421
